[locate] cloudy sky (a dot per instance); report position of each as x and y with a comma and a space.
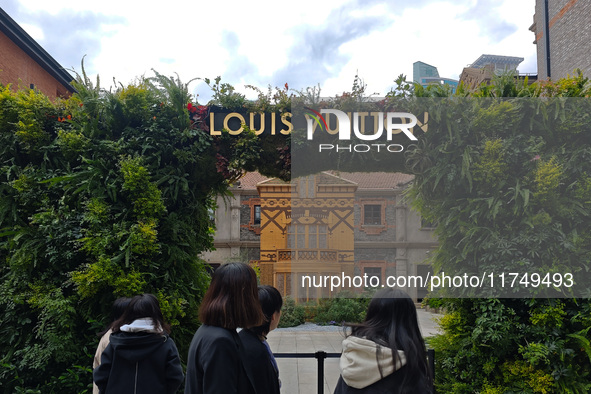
263, 43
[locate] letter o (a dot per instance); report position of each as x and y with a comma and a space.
360, 284
395, 151
227, 121
399, 279
371, 281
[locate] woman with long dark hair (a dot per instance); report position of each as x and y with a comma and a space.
260, 362
119, 307
386, 353
140, 357
216, 357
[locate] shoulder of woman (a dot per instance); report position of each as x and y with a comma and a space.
356, 342
168, 339
252, 342
213, 331
246, 333
214, 337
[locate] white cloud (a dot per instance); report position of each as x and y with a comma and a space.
264, 43
34, 31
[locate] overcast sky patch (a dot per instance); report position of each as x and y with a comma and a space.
310, 43
67, 36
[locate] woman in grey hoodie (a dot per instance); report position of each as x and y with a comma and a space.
386, 353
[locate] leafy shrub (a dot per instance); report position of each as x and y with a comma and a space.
434, 303
104, 194
292, 314
513, 345
109, 193
343, 308
310, 309
511, 198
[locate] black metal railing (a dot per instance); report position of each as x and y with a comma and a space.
320, 356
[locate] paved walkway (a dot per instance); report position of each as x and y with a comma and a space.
299, 376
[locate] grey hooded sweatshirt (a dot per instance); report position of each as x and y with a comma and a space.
369, 368
364, 362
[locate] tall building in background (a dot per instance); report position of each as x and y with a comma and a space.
498, 63
483, 69
423, 71
562, 31
426, 74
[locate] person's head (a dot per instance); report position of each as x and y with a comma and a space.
145, 306
392, 312
391, 320
119, 307
231, 301
271, 303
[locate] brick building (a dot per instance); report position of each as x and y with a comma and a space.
484, 69
562, 31
23, 63
325, 224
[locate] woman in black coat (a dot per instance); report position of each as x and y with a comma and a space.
216, 356
140, 357
260, 362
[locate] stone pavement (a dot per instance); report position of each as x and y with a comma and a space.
299, 376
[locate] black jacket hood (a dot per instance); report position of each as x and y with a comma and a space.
136, 346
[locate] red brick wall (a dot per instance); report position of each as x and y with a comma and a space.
17, 68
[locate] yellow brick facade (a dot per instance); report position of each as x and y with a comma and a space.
307, 228
323, 225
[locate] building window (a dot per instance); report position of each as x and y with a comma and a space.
283, 283
372, 214
296, 237
425, 224
304, 293
307, 237
211, 215
257, 215
373, 272
317, 236
254, 215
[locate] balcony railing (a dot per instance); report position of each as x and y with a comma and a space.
307, 255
